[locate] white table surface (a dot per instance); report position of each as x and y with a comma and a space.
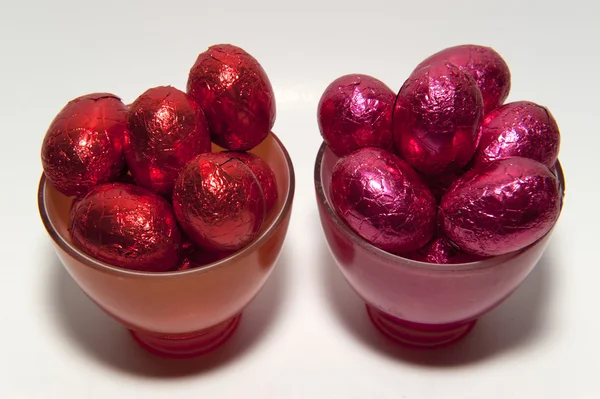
306, 335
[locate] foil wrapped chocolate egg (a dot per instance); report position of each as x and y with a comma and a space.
383, 200
166, 130
235, 93
83, 146
519, 129
485, 65
501, 207
218, 202
441, 250
126, 226
437, 117
264, 174
355, 111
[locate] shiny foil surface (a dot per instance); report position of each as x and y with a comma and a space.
383, 200
126, 226
218, 202
519, 129
437, 117
264, 174
166, 130
501, 207
235, 93
485, 65
355, 111
441, 250
83, 146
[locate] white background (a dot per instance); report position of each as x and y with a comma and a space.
306, 335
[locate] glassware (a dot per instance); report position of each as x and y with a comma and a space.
415, 303
183, 313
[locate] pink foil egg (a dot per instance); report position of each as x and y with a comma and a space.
519, 129
355, 111
383, 200
485, 65
501, 207
437, 117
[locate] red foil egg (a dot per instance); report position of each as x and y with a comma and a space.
485, 65
501, 207
355, 111
166, 130
126, 226
441, 250
218, 202
437, 117
519, 129
235, 93
383, 200
83, 146
264, 174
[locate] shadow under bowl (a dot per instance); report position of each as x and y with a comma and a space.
179, 314
415, 303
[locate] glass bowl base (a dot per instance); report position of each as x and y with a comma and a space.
183, 346
414, 335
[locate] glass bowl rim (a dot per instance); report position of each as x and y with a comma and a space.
395, 259
83, 258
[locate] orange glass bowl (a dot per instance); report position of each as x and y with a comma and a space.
415, 303
183, 313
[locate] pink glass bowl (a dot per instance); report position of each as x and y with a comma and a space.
184, 313
415, 303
